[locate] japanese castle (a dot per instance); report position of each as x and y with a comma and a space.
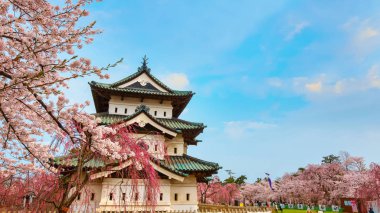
144, 101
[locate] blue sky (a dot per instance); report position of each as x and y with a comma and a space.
278, 83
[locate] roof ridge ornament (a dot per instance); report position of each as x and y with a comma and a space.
144, 65
142, 107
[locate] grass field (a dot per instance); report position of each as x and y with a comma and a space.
301, 211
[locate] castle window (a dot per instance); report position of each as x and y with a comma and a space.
115, 109
155, 113
155, 148
175, 150
187, 196
92, 196
164, 114
175, 196
161, 196
123, 197
125, 111
122, 98
136, 196
111, 196
78, 197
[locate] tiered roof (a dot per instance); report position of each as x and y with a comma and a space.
102, 92
189, 130
182, 165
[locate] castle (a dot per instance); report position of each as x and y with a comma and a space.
142, 100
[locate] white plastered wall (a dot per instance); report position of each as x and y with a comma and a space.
183, 189
152, 141
84, 203
127, 106
176, 143
117, 186
168, 188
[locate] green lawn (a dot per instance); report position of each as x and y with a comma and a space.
301, 211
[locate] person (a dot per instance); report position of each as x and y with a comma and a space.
276, 207
308, 209
280, 207
371, 210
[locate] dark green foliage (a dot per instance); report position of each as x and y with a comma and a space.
241, 180
331, 159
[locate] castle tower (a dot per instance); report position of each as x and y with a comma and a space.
144, 101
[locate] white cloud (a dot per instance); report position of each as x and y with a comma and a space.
368, 33
314, 86
309, 85
364, 36
275, 82
297, 28
240, 129
329, 85
177, 80
373, 77
339, 87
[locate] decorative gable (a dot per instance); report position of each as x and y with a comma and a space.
170, 173
140, 85
143, 81
142, 118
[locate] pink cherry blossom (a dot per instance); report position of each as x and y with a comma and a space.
217, 192
37, 122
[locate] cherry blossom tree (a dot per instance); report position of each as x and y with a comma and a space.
216, 192
37, 56
259, 191
208, 189
352, 163
370, 187
324, 183
316, 184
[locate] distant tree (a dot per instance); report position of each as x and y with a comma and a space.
370, 187
352, 163
208, 189
331, 159
258, 191
217, 192
241, 180
301, 169
229, 180
325, 183
229, 172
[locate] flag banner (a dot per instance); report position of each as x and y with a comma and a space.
322, 207
270, 183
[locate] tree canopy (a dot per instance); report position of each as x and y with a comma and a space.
38, 41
